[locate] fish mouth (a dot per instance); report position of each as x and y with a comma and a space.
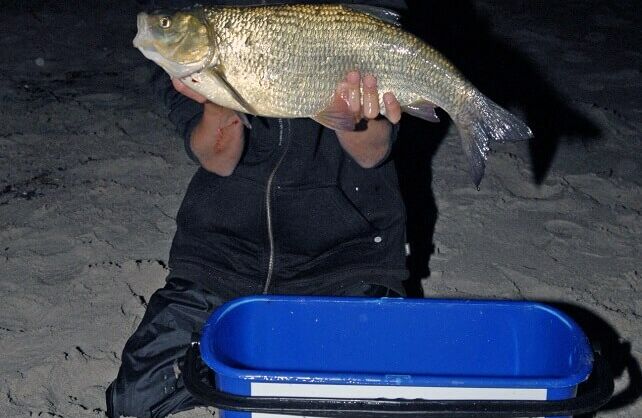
143, 30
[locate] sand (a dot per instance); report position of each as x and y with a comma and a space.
92, 174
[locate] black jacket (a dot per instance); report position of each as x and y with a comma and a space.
297, 211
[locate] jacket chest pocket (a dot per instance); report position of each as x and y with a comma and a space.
311, 222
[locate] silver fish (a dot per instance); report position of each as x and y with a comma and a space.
287, 60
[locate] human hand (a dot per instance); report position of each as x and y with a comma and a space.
370, 145
186, 91
218, 139
365, 104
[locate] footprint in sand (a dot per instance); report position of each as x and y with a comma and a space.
564, 229
599, 241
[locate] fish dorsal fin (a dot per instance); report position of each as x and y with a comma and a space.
381, 13
233, 92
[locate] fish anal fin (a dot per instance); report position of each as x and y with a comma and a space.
337, 116
422, 109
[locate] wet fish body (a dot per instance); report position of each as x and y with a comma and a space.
286, 61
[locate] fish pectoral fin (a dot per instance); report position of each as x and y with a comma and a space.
422, 109
336, 116
233, 92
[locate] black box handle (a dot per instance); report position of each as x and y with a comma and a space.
599, 389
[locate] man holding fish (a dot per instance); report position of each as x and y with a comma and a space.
291, 113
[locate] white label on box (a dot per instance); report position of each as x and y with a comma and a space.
390, 392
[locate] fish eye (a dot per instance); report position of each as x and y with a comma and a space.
165, 22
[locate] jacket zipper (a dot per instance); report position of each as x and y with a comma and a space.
268, 206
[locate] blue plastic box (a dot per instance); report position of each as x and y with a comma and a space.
393, 348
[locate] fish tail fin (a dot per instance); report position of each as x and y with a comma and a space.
481, 122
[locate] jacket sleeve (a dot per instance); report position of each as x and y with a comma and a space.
182, 111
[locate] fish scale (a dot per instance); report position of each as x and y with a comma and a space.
286, 61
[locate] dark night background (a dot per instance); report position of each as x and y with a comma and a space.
92, 173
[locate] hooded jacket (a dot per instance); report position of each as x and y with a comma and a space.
298, 215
